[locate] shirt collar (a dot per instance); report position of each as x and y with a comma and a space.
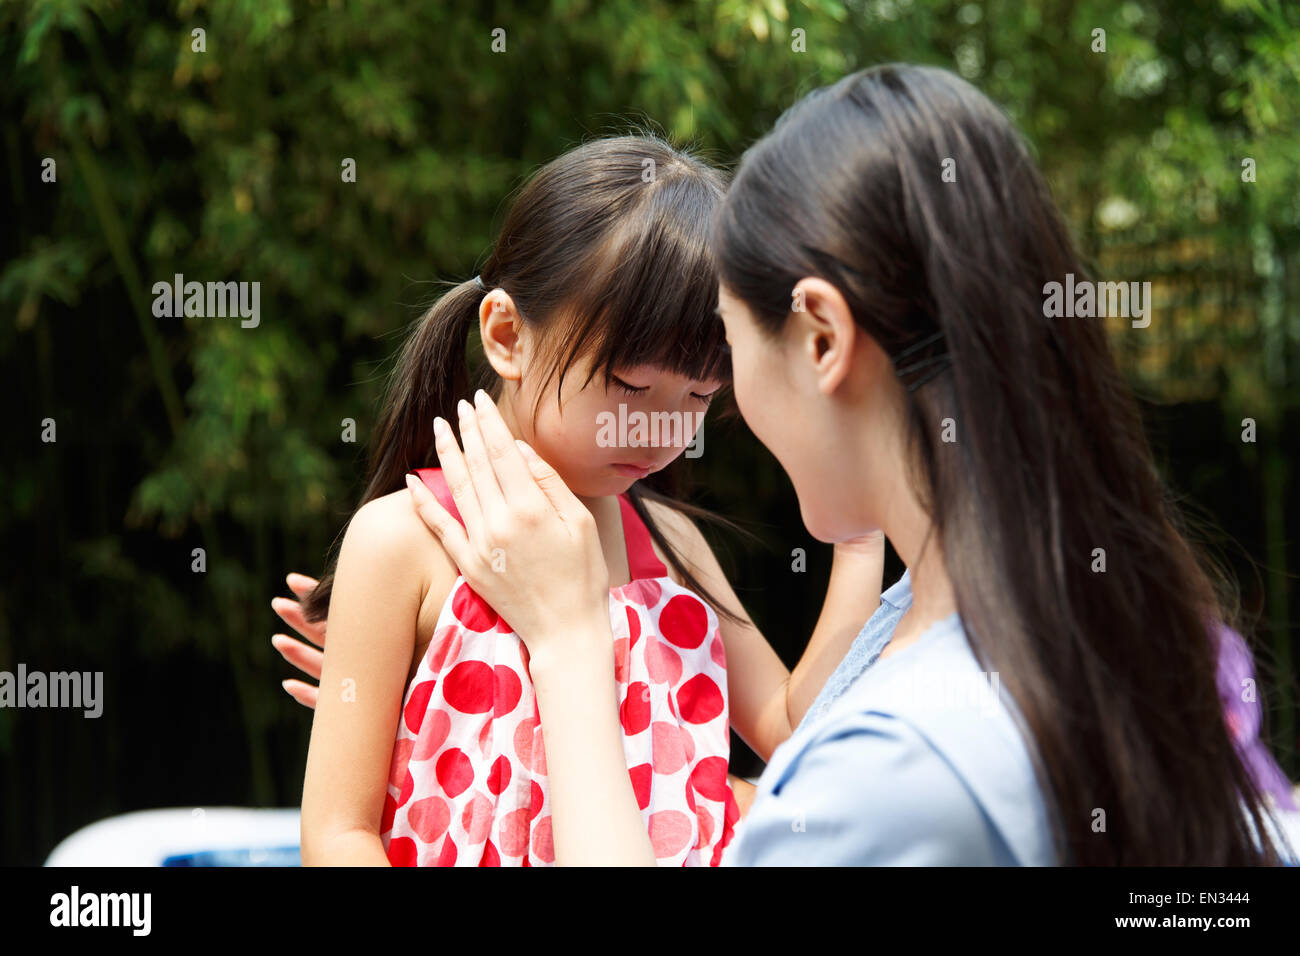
899, 594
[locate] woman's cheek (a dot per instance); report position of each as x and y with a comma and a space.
740, 393
765, 411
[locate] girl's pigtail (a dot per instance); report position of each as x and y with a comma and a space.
431, 375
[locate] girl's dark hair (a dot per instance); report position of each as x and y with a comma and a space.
605, 253
1114, 672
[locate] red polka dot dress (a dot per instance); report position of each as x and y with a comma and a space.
467, 785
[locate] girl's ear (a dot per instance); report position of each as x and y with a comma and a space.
502, 330
824, 332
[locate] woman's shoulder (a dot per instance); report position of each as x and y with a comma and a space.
922, 739
867, 789
938, 686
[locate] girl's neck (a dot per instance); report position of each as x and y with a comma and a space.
609, 525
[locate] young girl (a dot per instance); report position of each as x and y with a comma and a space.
426, 749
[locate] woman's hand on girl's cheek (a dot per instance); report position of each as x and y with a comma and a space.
529, 547
299, 653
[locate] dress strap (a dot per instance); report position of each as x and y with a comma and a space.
642, 562
435, 482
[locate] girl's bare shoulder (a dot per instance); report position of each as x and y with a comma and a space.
389, 529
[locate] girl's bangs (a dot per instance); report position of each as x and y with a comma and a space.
653, 301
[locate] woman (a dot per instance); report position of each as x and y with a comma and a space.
889, 345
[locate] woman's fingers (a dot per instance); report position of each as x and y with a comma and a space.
441, 523
304, 694
512, 471
291, 613
562, 500
300, 584
458, 479
303, 656
490, 501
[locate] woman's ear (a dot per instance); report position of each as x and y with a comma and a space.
502, 330
824, 330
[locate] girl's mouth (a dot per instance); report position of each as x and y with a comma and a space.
632, 471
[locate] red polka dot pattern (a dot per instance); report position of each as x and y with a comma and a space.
684, 621
417, 705
700, 699
455, 772
471, 610
635, 709
469, 688
467, 782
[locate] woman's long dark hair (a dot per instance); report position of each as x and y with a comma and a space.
1114, 671
605, 254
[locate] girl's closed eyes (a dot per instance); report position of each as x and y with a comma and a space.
704, 395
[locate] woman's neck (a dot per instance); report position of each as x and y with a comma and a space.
913, 534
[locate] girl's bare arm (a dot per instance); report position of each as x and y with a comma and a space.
386, 565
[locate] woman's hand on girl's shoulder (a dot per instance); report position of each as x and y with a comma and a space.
528, 546
307, 651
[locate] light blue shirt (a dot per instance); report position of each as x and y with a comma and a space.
914, 760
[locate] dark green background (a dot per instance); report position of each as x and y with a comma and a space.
224, 165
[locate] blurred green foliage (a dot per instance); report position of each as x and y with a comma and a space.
183, 433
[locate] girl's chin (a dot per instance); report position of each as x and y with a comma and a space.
619, 484
600, 484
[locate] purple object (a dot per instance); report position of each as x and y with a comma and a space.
1244, 717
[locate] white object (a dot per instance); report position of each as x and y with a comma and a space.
148, 837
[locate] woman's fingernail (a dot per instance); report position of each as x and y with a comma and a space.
440, 427
464, 407
411, 481
481, 398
